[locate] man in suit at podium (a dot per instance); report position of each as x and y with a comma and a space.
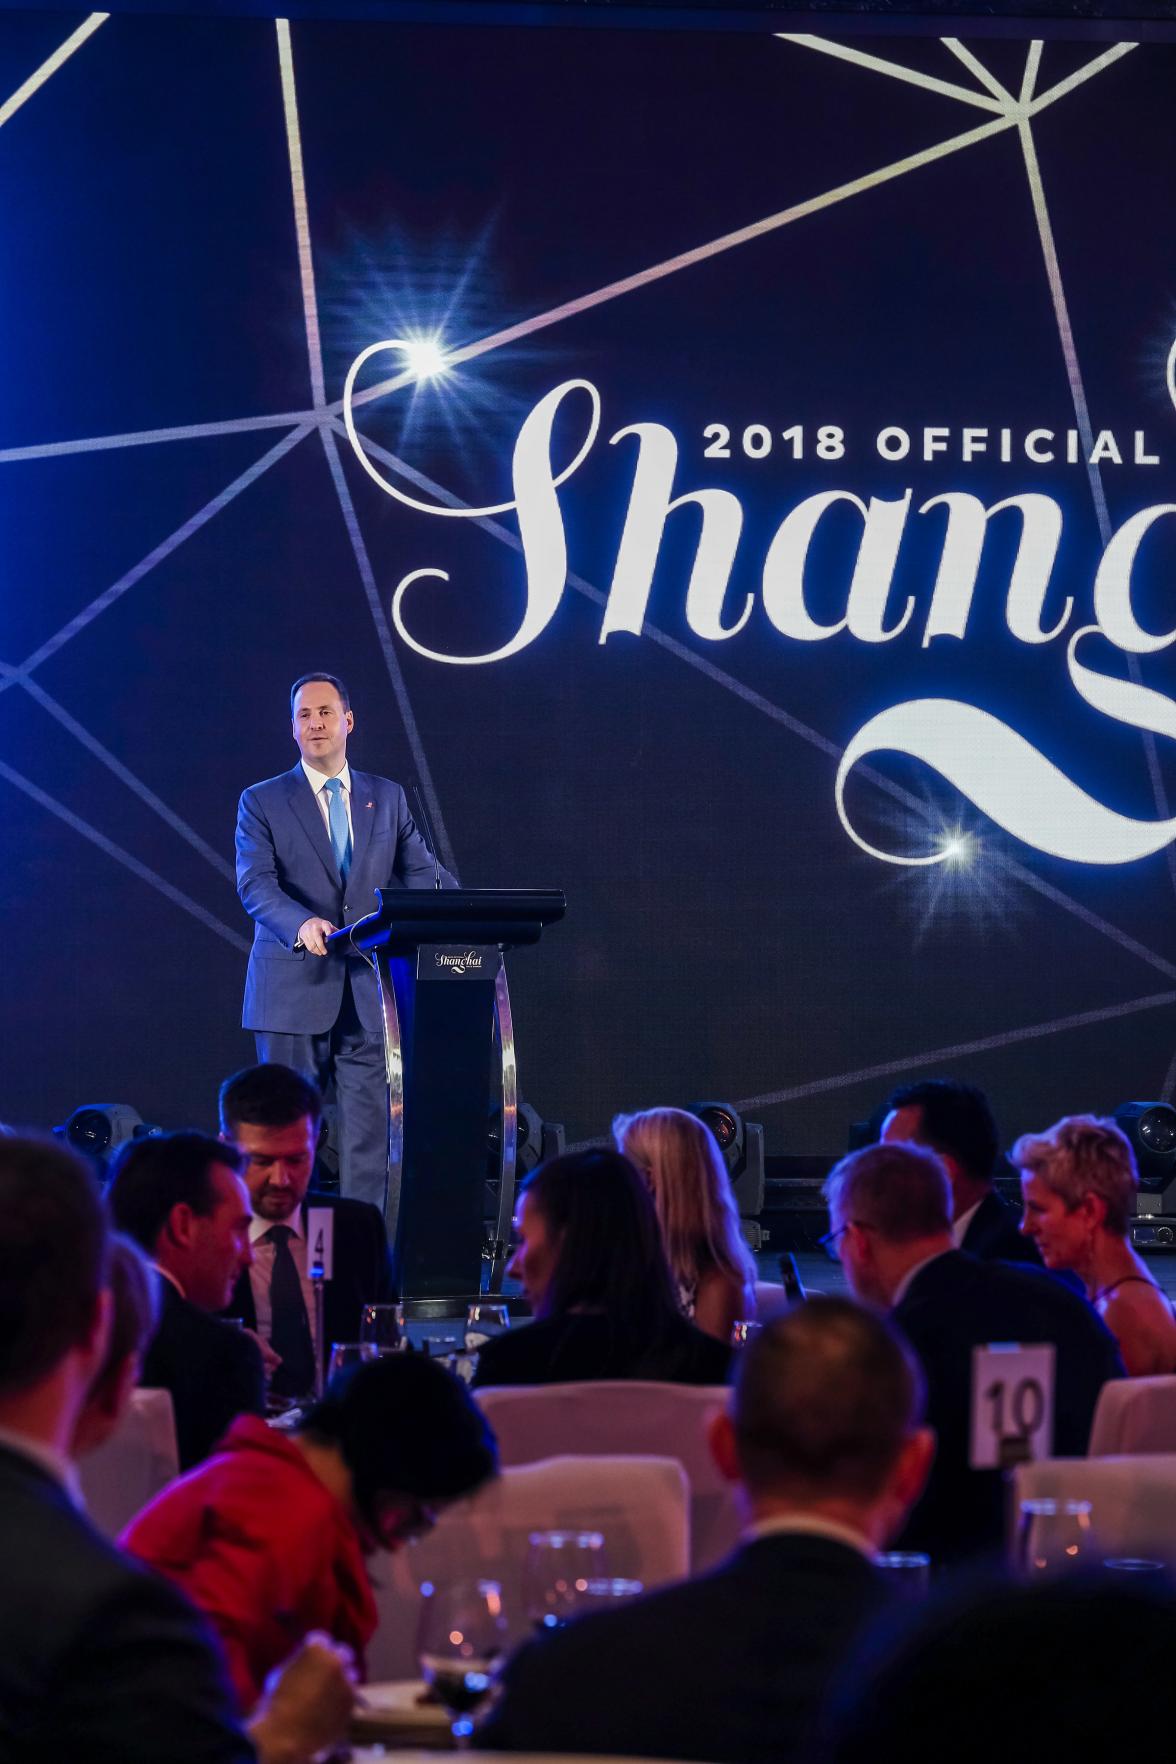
313, 846
272, 1115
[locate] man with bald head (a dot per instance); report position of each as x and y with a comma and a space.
890, 1210
823, 1438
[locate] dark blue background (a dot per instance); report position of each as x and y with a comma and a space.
724, 937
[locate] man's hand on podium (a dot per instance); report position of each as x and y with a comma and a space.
313, 934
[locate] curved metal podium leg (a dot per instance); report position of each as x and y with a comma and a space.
394, 1072
504, 1025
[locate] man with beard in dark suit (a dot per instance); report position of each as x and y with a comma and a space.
272, 1115
181, 1198
890, 1213
100, 1660
956, 1122
823, 1437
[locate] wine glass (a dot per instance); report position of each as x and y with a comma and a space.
350, 1353
463, 1634
383, 1326
483, 1321
606, 1592
557, 1571
1054, 1537
742, 1332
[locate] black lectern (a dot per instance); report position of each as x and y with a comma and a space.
449, 1049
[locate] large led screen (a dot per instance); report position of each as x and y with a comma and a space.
733, 473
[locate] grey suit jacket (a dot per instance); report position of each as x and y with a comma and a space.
286, 874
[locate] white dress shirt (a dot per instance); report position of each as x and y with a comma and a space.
959, 1225
262, 1272
318, 782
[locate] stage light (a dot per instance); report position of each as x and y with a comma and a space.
742, 1145
425, 358
1151, 1128
98, 1129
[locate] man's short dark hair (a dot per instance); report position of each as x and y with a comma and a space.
53, 1249
825, 1397
151, 1176
313, 680
956, 1119
268, 1096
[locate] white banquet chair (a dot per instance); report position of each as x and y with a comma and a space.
1132, 1499
138, 1460
640, 1505
624, 1415
1134, 1415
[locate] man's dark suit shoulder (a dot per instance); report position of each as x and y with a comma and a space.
214, 1374
730, 1666
994, 1234
583, 1346
99, 1659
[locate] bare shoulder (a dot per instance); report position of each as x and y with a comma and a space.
1141, 1319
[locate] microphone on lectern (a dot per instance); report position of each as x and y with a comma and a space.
426, 828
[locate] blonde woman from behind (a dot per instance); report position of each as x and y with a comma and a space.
712, 1267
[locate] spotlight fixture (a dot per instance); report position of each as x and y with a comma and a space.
742, 1145
1151, 1128
98, 1129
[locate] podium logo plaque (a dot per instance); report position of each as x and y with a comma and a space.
457, 961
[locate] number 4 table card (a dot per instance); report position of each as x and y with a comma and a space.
1012, 1400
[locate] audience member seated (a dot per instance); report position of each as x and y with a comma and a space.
180, 1197
134, 1315
890, 1212
1079, 1183
956, 1122
712, 1267
269, 1538
273, 1114
99, 1660
592, 1266
824, 1440
1078, 1667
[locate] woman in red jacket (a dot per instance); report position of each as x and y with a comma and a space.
269, 1536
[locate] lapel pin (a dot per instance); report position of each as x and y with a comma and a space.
369, 805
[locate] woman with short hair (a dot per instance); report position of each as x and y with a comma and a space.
591, 1263
680, 1159
1078, 1181
269, 1537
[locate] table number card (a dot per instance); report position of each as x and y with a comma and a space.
1012, 1403
320, 1240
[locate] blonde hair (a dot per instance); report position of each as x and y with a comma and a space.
1081, 1155
680, 1157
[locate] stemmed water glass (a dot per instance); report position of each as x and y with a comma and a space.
383, 1326
1054, 1537
462, 1637
559, 1568
349, 1353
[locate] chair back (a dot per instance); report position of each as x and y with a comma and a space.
640, 1505
138, 1460
623, 1416
770, 1299
1134, 1415
1132, 1499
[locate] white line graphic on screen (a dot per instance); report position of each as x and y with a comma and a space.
50, 66
163, 550
287, 419
895, 70
934, 1057
343, 494
314, 348
693, 659
1085, 427
976, 66
127, 777
120, 856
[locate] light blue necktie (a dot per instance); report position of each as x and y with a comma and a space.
340, 831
